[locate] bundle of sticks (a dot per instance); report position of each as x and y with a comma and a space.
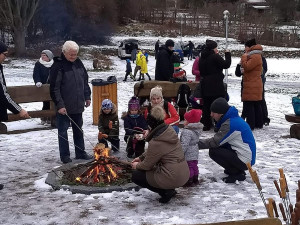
290, 214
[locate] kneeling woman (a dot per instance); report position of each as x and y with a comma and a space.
162, 168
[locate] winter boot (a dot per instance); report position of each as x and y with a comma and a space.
195, 179
1, 186
233, 178
167, 195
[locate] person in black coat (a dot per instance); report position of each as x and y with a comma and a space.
164, 68
211, 68
41, 74
156, 48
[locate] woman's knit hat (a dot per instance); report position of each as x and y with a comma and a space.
157, 90
156, 117
210, 44
250, 43
169, 43
48, 53
193, 116
134, 103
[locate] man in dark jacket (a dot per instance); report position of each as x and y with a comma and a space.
6, 102
164, 68
190, 50
70, 92
211, 68
156, 48
233, 145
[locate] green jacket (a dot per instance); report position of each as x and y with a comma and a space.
104, 122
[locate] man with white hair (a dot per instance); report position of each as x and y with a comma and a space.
70, 92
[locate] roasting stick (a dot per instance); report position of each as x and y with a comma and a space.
270, 207
256, 181
275, 208
284, 199
283, 213
282, 175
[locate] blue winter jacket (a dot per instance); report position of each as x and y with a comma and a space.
234, 133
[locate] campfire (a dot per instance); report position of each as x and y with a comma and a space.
103, 171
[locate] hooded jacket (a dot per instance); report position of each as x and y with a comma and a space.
164, 160
103, 124
211, 68
69, 86
252, 82
234, 133
164, 65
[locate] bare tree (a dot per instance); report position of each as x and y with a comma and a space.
18, 14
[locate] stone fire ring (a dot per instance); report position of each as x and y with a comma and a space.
54, 180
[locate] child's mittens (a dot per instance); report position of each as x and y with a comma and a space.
101, 135
110, 124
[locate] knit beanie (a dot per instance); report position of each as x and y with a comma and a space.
156, 117
169, 43
3, 47
210, 44
48, 53
193, 116
134, 103
157, 90
250, 43
220, 105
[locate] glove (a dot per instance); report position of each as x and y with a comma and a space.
139, 136
101, 135
38, 84
110, 124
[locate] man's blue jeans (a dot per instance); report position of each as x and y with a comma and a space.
63, 123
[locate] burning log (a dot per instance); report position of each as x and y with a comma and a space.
104, 169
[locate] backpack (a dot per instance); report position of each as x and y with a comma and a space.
183, 95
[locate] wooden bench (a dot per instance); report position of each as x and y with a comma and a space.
29, 94
295, 128
263, 221
169, 90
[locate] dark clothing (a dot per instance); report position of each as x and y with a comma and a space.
115, 143
252, 111
41, 73
69, 89
69, 86
228, 159
156, 49
63, 123
6, 101
211, 68
128, 67
134, 146
164, 65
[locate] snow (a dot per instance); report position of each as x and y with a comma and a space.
26, 158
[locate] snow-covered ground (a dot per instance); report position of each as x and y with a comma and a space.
26, 158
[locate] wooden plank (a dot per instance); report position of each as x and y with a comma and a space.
32, 114
169, 88
29, 93
292, 118
263, 221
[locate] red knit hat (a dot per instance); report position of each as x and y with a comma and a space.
193, 116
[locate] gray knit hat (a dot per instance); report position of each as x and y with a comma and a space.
220, 105
48, 53
3, 47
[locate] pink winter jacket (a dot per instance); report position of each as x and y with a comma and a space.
195, 69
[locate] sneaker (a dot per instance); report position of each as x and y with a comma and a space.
167, 195
85, 156
66, 160
1, 186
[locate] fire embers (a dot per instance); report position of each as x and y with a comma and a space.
104, 170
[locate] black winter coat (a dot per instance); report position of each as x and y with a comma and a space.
211, 68
6, 103
69, 86
164, 65
41, 73
130, 123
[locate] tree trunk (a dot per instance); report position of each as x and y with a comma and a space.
19, 40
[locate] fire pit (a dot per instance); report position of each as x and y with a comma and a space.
101, 175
